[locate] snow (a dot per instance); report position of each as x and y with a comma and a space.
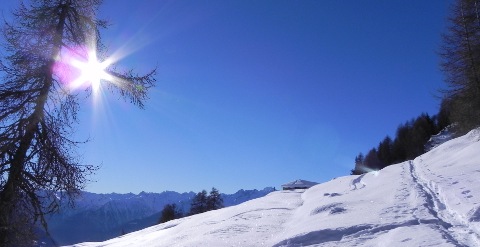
444, 135
433, 200
98, 217
299, 183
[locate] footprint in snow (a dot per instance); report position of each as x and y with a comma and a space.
332, 194
474, 215
357, 183
334, 208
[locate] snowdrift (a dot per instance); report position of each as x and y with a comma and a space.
433, 200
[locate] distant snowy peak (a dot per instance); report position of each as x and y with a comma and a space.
244, 195
98, 217
433, 200
156, 201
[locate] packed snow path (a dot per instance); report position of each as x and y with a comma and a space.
433, 200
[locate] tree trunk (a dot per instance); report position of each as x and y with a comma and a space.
8, 196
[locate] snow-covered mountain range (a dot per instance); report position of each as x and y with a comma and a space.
99, 217
433, 200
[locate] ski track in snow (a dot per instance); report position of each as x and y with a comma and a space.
430, 201
454, 226
423, 197
435, 206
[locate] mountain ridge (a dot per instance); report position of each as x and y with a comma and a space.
432, 200
98, 217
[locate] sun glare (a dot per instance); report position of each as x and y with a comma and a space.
92, 72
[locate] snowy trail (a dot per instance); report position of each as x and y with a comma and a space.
359, 210
450, 174
452, 229
433, 200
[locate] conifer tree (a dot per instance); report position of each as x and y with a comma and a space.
400, 144
371, 160
39, 105
214, 200
422, 129
385, 151
460, 55
442, 119
359, 166
170, 212
199, 203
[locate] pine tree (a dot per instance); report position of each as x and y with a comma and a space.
443, 116
460, 55
371, 160
400, 144
214, 200
170, 212
359, 166
38, 109
422, 129
199, 203
385, 152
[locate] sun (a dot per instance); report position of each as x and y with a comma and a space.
91, 72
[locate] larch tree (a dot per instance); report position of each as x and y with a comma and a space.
214, 200
460, 55
199, 203
371, 161
50, 58
385, 151
170, 212
359, 165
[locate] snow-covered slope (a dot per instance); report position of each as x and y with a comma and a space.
433, 200
445, 135
98, 217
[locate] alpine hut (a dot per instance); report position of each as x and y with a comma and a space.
298, 184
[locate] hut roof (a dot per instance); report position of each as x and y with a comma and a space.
299, 183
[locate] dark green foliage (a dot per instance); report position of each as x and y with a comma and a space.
422, 129
199, 203
409, 142
371, 160
384, 152
460, 55
359, 167
202, 203
214, 200
460, 106
400, 144
442, 119
170, 212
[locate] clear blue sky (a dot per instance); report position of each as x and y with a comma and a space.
258, 93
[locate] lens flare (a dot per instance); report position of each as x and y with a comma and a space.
369, 170
79, 68
91, 72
